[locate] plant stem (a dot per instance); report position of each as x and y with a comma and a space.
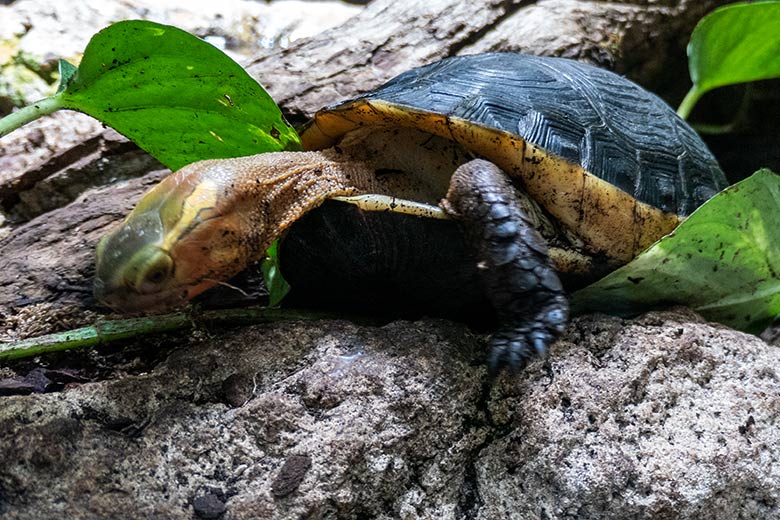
114, 330
740, 117
693, 95
29, 113
102, 332
723, 129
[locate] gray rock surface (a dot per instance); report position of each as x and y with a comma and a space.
661, 417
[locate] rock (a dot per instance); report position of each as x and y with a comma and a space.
290, 475
209, 505
664, 416
366, 406
35, 145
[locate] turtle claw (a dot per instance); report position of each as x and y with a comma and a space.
513, 348
506, 353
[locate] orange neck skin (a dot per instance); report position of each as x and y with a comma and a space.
213, 218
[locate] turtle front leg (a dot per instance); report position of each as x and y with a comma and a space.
512, 256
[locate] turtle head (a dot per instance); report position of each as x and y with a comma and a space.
205, 223
134, 270
186, 234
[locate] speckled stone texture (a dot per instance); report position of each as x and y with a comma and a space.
661, 417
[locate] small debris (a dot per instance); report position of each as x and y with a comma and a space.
290, 476
209, 505
15, 387
38, 378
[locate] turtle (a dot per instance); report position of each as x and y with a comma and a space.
517, 175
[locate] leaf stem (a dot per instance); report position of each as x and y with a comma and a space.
688, 102
740, 117
723, 129
29, 113
114, 330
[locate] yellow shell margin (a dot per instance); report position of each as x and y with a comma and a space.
610, 221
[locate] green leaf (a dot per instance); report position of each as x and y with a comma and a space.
67, 71
176, 96
723, 261
274, 281
737, 43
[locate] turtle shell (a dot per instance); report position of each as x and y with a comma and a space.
610, 161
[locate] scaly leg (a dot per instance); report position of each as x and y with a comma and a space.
512, 256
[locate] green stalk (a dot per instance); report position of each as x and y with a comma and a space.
29, 113
723, 129
685, 108
101, 332
739, 118
114, 330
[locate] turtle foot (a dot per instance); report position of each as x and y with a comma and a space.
513, 260
514, 345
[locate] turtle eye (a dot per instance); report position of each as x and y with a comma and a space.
154, 273
156, 276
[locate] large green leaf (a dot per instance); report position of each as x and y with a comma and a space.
724, 261
734, 44
178, 97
